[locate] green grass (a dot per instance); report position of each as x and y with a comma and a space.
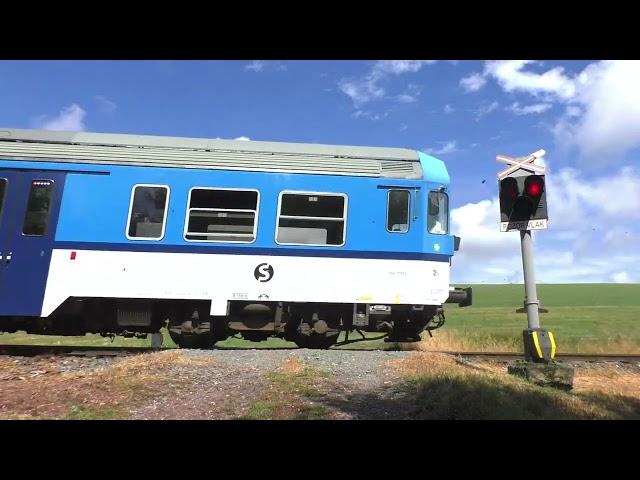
290, 396
574, 328
262, 410
559, 295
21, 338
582, 316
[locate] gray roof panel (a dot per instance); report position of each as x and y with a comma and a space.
177, 152
146, 150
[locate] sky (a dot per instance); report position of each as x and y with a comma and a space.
584, 114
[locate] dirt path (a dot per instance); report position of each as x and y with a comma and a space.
218, 384
298, 384
227, 384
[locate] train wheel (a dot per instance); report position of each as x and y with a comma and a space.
404, 332
192, 333
199, 341
315, 341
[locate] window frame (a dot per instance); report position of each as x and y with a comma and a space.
319, 194
188, 211
446, 232
26, 211
386, 222
164, 218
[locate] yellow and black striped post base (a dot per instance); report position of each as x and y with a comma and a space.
539, 345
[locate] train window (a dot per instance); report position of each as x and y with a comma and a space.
222, 215
3, 190
308, 218
38, 206
148, 212
398, 211
437, 220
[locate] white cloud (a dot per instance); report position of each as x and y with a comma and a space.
511, 77
255, 66
448, 109
592, 234
261, 65
603, 119
574, 199
246, 139
410, 95
573, 111
621, 238
621, 277
370, 87
402, 66
369, 115
528, 109
105, 104
447, 147
363, 90
473, 82
486, 255
70, 118
602, 103
485, 109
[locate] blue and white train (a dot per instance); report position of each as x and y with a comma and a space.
125, 234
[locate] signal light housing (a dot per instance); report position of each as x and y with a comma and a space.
509, 192
523, 197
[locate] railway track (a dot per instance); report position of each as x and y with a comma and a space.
85, 351
106, 351
564, 357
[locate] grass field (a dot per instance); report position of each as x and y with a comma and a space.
583, 318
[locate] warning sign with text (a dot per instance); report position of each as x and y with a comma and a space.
524, 225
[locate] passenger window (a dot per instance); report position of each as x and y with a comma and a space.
218, 215
37, 216
3, 190
148, 212
437, 221
398, 211
311, 219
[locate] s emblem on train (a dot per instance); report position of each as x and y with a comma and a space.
263, 272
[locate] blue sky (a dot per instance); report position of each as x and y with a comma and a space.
585, 114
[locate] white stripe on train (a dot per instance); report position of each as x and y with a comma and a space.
220, 278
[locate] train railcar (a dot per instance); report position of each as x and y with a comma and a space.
126, 234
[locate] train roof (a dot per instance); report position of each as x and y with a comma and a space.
202, 153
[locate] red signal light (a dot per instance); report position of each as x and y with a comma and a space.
534, 187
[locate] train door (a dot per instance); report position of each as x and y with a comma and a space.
29, 207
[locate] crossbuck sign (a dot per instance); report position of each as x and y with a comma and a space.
523, 171
525, 163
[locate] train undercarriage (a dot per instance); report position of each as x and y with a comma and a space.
308, 325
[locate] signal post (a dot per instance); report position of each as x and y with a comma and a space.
523, 207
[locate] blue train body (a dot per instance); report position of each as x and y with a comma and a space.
316, 289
